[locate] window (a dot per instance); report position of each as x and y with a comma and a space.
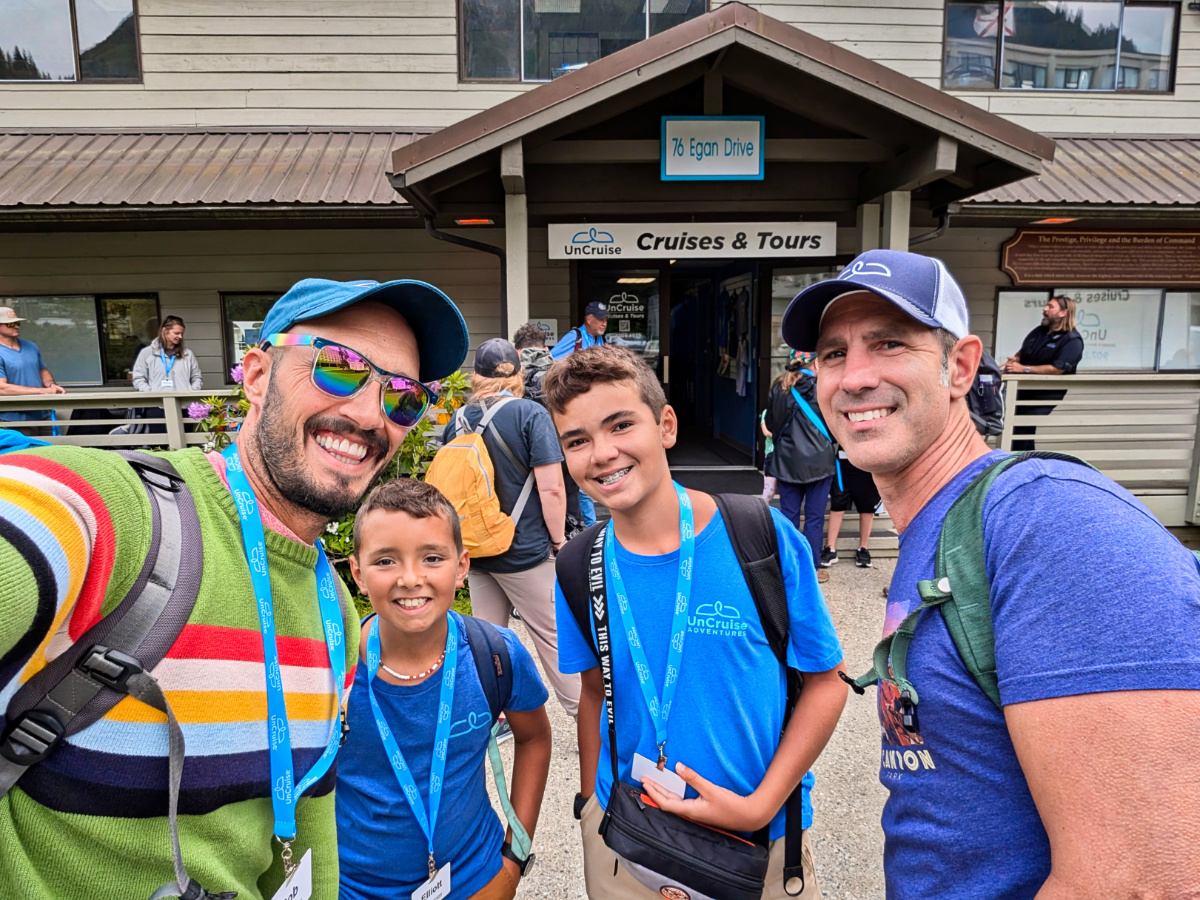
68, 40
242, 315
1122, 328
538, 40
85, 339
1059, 45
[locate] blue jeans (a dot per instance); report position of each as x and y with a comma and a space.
812, 498
588, 508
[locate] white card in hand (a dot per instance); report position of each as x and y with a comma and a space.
299, 886
664, 778
437, 887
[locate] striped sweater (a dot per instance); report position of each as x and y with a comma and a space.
90, 821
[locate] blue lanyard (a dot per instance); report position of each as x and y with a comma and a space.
441, 736
683, 592
816, 420
164, 357
285, 791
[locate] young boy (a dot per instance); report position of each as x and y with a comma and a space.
393, 839
723, 731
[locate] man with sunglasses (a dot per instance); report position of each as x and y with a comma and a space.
258, 672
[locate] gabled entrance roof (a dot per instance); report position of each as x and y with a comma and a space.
908, 133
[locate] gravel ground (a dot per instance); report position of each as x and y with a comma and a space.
847, 798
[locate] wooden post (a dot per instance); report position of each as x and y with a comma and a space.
173, 415
868, 227
516, 238
896, 209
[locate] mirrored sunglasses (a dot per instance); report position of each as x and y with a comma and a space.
342, 372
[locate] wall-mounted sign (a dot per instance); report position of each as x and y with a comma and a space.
691, 240
712, 148
550, 328
1084, 258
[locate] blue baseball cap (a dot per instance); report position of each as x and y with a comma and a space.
442, 337
920, 285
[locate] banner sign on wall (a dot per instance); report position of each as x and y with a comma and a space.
692, 240
1082, 258
712, 148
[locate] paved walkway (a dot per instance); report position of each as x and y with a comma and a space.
847, 799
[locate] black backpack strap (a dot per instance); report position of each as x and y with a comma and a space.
492, 661
571, 570
755, 542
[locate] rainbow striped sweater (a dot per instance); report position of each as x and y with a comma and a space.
90, 821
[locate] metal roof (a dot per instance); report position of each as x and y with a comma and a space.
333, 167
1110, 171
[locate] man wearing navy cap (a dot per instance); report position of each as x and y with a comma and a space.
257, 674
589, 334
1076, 780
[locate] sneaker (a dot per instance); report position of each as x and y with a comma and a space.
503, 731
516, 615
862, 558
828, 557
822, 575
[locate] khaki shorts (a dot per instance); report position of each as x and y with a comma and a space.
607, 881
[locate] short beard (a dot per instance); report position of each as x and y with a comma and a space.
284, 465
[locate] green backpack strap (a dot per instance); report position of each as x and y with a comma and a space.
960, 589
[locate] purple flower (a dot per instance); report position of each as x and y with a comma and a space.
236, 374
199, 409
436, 387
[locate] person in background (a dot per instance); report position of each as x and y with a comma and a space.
1053, 348
803, 462
589, 334
166, 365
858, 488
22, 371
768, 493
523, 576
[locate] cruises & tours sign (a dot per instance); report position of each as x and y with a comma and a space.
691, 240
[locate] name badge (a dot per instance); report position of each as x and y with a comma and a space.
299, 886
436, 888
167, 383
643, 767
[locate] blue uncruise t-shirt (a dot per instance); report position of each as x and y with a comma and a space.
1089, 593
382, 851
728, 710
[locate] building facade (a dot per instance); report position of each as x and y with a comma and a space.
196, 157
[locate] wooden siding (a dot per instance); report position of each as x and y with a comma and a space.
394, 63
973, 257
190, 270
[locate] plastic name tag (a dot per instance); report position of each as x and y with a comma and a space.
644, 767
299, 886
167, 383
436, 888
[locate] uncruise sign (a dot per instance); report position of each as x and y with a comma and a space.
690, 240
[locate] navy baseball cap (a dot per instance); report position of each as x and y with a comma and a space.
442, 338
497, 358
920, 285
597, 309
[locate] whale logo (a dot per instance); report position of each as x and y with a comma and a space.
719, 609
472, 722
592, 236
858, 267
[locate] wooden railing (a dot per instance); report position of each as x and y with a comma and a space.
72, 410
1139, 430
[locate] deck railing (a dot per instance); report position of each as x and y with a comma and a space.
84, 418
1139, 430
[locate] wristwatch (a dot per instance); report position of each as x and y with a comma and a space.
523, 865
1027, 370
580, 803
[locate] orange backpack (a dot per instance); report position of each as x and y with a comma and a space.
463, 471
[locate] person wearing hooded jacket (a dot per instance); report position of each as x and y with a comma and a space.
803, 462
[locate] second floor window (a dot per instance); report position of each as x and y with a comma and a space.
1060, 45
68, 40
538, 40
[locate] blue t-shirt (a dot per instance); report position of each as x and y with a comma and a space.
529, 432
1089, 593
566, 344
23, 367
382, 851
729, 703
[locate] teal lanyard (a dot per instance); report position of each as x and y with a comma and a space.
441, 735
659, 712
816, 420
167, 366
284, 791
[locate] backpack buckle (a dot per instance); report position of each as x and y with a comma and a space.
908, 713
854, 686
111, 668
32, 737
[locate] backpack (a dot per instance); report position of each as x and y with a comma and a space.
960, 590
986, 397
463, 471
113, 658
533, 384
755, 543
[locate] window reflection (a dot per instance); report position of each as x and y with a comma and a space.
971, 42
65, 330
107, 39
1180, 331
564, 35
1067, 46
35, 41
1147, 43
491, 43
243, 315
130, 324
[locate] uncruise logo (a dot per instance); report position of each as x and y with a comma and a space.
717, 618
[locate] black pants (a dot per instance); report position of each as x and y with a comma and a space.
1033, 411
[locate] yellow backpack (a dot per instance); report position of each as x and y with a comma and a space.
463, 471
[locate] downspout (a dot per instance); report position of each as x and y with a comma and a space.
943, 225
486, 248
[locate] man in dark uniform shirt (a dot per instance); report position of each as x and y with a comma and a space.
1053, 348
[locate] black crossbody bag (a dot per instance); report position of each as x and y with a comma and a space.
660, 849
